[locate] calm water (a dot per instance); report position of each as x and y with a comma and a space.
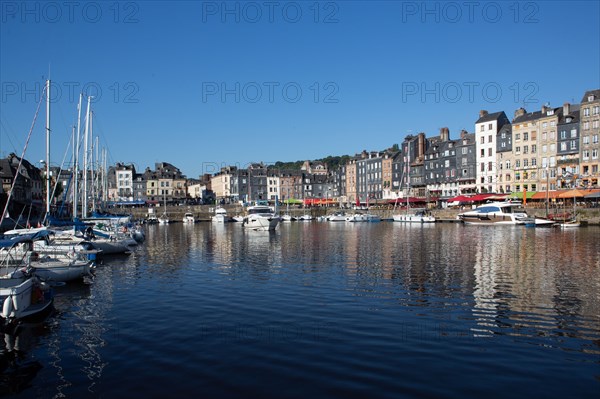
326, 310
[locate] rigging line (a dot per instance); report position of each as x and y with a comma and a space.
9, 135
12, 187
98, 122
58, 176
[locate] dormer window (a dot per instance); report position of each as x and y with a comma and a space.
550, 112
591, 97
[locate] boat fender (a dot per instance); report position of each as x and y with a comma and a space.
7, 307
15, 303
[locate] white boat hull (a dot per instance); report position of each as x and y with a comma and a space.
16, 296
254, 222
413, 219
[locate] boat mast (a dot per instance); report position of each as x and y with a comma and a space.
85, 159
76, 159
547, 188
47, 149
408, 177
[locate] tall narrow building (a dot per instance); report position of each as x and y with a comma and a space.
486, 132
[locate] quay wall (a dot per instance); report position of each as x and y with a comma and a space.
204, 212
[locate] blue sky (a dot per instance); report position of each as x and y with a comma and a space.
207, 84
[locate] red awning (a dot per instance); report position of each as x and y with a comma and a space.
461, 198
481, 197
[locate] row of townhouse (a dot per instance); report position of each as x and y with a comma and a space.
547, 149
555, 147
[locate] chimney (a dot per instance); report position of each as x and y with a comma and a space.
482, 113
544, 110
566, 109
463, 134
421, 146
444, 134
520, 112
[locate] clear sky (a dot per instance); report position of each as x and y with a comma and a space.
207, 84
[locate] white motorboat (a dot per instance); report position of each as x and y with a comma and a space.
337, 217
188, 218
220, 215
287, 218
363, 217
418, 215
23, 297
261, 217
495, 213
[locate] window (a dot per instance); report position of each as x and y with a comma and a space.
595, 139
503, 135
544, 162
595, 124
526, 149
483, 167
595, 153
517, 136
544, 135
465, 151
533, 148
533, 136
482, 128
573, 133
544, 148
525, 136
483, 152
586, 154
482, 140
489, 126
586, 112
545, 125
533, 161
563, 146
489, 165
517, 163
518, 150
525, 162
563, 134
586, 125
507, 164
489, 152
573, 144
490, 138
596, 110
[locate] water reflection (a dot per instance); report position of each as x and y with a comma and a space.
377, 288
17, 368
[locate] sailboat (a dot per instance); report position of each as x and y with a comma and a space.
418, 215
164, 218
572, 222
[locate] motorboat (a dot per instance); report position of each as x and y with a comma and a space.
188, 218
220, 215
287, 218
363, 217
261, 217
337, 217
23, 297
418, 215
495, 213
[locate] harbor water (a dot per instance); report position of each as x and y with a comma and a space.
335, 310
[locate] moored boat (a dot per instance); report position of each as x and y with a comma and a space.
261, 217
494, 213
